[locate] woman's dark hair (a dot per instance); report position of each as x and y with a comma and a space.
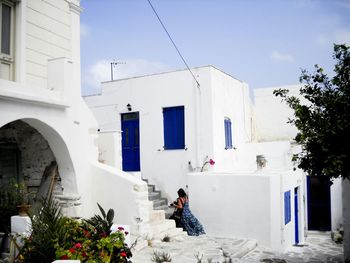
181, 192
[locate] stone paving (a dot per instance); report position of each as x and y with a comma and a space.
188, 249
318, 248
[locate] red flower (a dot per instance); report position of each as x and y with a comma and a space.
120, 228
78, 245
64, 257
123, 254
72, 250
84, 254
104, 234
211, 162
86, 233
126, 233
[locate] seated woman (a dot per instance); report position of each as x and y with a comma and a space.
189, 222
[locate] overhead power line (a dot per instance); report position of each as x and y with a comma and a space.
172, 41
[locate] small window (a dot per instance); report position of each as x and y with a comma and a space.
287, 209
228, 134
174, 127
6, 39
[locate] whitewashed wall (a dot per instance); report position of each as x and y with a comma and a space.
48, 35
336, 204
230, 99
244, 205
272, 114
46, 95
218, 96
165, 168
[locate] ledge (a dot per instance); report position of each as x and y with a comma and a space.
16, 92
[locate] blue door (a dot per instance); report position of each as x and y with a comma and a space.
319, 203
130, 141
296, 215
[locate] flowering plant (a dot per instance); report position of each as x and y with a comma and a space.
206, 162
54, 236
87, 241
84, 243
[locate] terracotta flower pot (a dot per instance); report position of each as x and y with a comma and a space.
23, 210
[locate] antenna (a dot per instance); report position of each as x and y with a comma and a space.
114, 63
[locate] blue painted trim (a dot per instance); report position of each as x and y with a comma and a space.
287, 208
296, 215
174, 127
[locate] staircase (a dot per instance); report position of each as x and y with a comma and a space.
159, 202
154, 226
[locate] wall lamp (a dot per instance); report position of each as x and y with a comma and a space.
128, 106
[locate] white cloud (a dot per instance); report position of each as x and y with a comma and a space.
101, 71
281, 57
84, 30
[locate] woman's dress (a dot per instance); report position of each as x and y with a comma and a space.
190, 223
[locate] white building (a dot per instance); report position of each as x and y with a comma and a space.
164, 127
43, 118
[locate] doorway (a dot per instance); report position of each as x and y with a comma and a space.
296, 215
319, 203
130, 141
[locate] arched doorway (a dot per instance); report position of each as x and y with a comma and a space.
28, 149
24, 156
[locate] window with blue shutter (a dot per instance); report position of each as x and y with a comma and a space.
228, 134
174, 127
287, 209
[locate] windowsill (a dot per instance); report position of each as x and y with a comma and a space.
182, 149
15, 91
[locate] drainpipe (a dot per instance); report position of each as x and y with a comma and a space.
197, 95
281, 209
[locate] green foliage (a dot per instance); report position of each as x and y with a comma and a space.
11, 195
8, 205
47, 229
102, 224
160, 257
58, 237
323, 118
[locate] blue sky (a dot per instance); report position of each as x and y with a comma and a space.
262, 42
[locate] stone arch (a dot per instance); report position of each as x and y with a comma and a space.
39, 144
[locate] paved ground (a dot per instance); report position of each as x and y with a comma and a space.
318, 248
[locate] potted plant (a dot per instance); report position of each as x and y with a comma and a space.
23, 205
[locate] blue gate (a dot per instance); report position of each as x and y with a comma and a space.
130, 141
296, 215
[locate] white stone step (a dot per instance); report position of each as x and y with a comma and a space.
157, 215
174, 234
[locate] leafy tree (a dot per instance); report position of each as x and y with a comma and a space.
322, 117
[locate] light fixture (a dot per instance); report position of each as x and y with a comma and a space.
128, 106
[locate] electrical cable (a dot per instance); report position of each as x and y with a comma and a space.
172, 41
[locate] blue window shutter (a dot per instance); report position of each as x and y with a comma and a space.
287, 208
174, 127
228, 134
180, 131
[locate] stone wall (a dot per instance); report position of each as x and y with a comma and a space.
34, 151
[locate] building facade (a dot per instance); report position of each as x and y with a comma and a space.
165, 128
44, 121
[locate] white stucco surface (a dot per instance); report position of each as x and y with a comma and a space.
244, 205
272, 114
205, 110
45, 94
